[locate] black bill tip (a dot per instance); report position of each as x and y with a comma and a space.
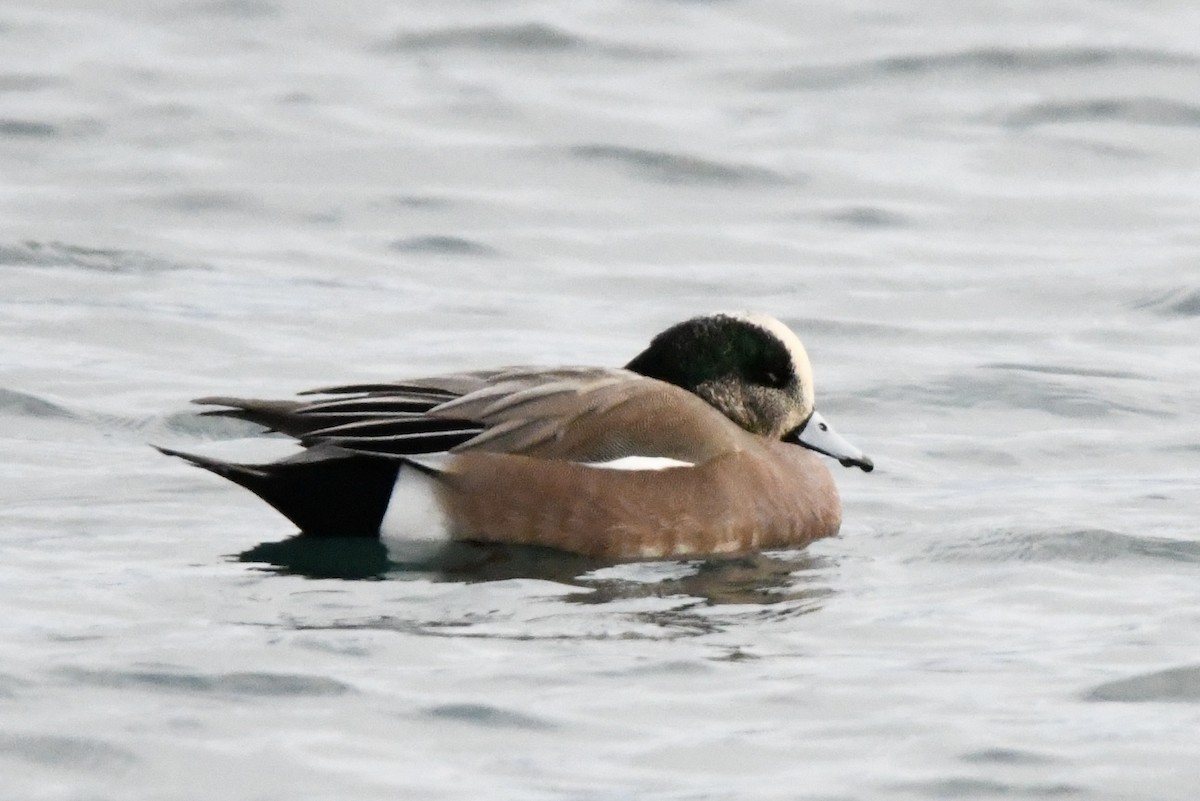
864, 463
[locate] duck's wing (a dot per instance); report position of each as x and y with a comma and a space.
398, 409
575, 414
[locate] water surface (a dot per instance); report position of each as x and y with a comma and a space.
980, 218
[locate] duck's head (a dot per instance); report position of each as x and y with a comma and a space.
755, 371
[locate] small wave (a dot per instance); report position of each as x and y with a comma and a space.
237, 9
1088, 546
65, 752
1005, 756
534, 36
675, 168
22, 404
963, 787
978, 455
27, 405
202, 201
25, 82
486, 716
444, 246
1047, 369
867, 217
60, 254
194, 424
1181, 302
529, 37
1019, 390
9, 685
865, 329
1179, 685
985, 60
1142, 110
15, 128
240, 684
27, 129
425, 202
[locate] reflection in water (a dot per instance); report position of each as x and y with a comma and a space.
367, 558
755, 578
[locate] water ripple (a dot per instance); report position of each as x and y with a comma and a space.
443, 246
1019, 390
763, 579
1139, 110
236, 9
1051, 369
868, 217
238, 684
22, 404
675, 168
64, 752
1005, 756
572, 597
959, 788
528, 37
27, 129
978, 61
1090, 545
60, 254
1178, 302
203, 200
486, 716
1178, 685
534, 36
25, 82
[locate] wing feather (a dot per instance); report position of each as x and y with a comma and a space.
570, 413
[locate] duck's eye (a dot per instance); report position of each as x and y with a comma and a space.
823, 427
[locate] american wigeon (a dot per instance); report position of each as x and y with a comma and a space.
693, 448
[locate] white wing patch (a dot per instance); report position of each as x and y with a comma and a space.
640, 463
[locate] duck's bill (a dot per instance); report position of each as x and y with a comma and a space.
818, 435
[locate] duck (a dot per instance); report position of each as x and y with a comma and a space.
707, 442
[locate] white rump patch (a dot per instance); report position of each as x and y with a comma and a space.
414, 513
640, 463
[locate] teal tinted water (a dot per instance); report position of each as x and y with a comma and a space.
981, 220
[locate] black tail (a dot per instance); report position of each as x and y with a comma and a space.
326, 493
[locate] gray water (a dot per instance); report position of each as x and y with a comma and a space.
980, 217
